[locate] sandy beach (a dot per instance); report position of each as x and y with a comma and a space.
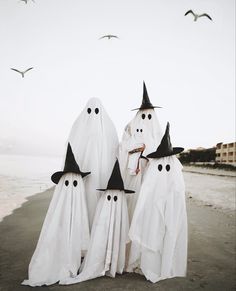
211, 257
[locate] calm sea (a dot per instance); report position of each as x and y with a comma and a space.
23, 176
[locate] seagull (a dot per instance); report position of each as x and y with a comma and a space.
21, 72
109, 36
26, 1
196, 16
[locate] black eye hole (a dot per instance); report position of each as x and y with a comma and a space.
149, 116
115, 198
96, 110
143, 116
159, 167
75, 183
66, 183
137, 130
109, 197
167, 168
89, 110
141, 130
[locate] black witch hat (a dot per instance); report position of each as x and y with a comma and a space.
165, 148
116, 182
70, 167
146, 103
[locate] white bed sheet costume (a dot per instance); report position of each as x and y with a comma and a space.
107, 248
94, 140
65, 232
158, 229
143, 129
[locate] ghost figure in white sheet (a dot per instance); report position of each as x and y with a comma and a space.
141, 136
65, 233
107, 248
158, 229
94, 140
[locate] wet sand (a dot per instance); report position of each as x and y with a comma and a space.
211, 256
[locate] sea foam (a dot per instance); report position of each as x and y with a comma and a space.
24, 176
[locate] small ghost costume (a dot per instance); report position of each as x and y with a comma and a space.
158, 230
143, 129
94, 140
65, 232
107, 249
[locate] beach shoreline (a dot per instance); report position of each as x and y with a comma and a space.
209, 171
14, 191
21, 178
211, 252
211, 187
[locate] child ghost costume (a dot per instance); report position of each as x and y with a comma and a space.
158, 230
94, 140
107, 248
141, 136
65, 232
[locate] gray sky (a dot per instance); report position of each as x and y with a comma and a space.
188, 68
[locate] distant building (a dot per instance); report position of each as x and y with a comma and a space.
221, 154
226, 153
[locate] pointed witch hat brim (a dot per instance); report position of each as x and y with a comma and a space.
116, 182
71, 166
146, 103
165, 148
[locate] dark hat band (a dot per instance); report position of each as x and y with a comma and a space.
57, 176
156, 155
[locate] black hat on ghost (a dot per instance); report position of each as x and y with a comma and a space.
116, 182
71, 166
146, 103
165, 148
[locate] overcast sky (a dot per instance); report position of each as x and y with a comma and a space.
188, 67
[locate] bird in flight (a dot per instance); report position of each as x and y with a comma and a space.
109, 36
21, 72
26, 1
196, 16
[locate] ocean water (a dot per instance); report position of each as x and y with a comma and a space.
23, 176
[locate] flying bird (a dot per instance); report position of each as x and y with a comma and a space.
196, 16
21, 72
26, 1
109, 36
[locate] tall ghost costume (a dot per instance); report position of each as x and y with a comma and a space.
142, 135
107, 248
94, 140
65, 232
158, 230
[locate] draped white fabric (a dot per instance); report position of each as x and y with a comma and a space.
64, 235
94, 141
158, 229
106, 253
143, 129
